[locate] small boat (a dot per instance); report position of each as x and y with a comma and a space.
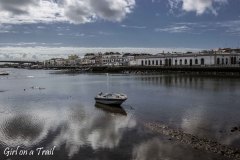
4, 73
110, 98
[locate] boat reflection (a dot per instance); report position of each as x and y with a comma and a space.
111, 109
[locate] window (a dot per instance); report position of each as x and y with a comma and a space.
175, 62
234, 60
149, 62
169, 62
218, 61
202, 61
196, 61
166, 62
185, 61
156, 62
160, 62
152, 62
142, 62
180, 61
190, 62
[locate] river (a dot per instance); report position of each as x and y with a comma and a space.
39, 108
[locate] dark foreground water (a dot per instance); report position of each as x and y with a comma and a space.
54, 116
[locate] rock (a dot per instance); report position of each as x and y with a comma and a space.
194, 141
234, 129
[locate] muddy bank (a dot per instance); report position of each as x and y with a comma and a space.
194, 141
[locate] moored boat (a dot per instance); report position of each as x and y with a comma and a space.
4, 73
110, 98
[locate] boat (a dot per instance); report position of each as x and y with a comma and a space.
111, 98
4, 73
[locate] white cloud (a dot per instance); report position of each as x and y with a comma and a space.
225, 27
105, 33
198, 6
232, 27
41, 27
173, 4
174, 29
5, 28
73, 11
43, 51
134, 27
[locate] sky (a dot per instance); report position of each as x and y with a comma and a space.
39, 29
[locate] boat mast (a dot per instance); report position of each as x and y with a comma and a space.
107, 83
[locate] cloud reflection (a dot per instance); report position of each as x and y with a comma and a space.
199, 121
73, 128
157, 149
101, 130
20, 129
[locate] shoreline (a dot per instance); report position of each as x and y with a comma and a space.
233, 71
193, 141
222, 71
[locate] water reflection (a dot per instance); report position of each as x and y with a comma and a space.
157, 149
73, 128
22, 126
202, 106
22, 129
111, 109
189, 81
199, 121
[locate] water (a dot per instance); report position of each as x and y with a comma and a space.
41, 109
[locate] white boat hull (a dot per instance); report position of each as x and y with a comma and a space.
110, 98
109, 102
4, 74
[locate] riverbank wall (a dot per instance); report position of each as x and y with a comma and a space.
156, 69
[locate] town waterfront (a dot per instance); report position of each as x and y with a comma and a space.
39, 108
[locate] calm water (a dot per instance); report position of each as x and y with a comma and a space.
63, 114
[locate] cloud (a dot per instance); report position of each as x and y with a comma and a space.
5, 28
232, 27
228, 27
134, 27
15, 7
174, 29
41, 27
173, 4
225, 27
198, 6
44, 51
72, 11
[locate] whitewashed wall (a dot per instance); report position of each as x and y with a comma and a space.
175, 60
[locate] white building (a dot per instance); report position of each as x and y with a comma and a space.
89, 55
128, 59
55, 62
112, 59
206, 58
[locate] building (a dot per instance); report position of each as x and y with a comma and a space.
112, 59
204, 58
89, 55
92, 59
128, 58
73, 60
55, 62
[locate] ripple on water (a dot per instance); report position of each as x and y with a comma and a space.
20, 130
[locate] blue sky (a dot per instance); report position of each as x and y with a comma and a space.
59, 26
